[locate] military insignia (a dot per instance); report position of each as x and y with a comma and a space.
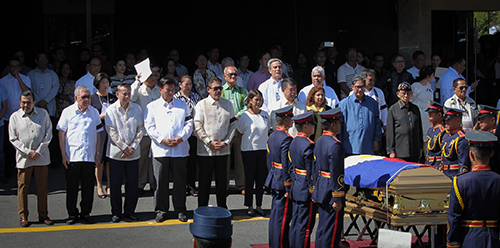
39, 121
340, 179
288, 183
311, 189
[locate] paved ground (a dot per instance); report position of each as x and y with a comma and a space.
144, 233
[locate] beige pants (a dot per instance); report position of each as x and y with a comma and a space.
23, 182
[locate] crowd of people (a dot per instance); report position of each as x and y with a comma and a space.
285, 129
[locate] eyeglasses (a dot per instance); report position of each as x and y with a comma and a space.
358, 86
216, 88
462, 87
232, 74
399, 61
85, 97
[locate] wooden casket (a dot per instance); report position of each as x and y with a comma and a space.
415, 194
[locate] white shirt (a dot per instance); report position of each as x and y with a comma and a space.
87, 80
164, 120
271, 93
13, 90
422, 95
414, 72
346, 73
143, 95
254, 129
81, 132
378, 95
125, 127
330, 96
45, 86
298, 108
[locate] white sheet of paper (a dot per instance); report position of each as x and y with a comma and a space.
393, 239
440, 71
144, 68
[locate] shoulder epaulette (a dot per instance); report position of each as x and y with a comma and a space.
461, 133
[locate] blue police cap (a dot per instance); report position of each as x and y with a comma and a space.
285, 111
307, 117
331, 114
434, 107
452, 112
481, 138
211, 223
485, 110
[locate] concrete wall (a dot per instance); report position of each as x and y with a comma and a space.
415, 25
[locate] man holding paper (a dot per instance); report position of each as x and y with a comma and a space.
143, 91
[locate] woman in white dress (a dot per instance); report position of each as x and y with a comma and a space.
423, 94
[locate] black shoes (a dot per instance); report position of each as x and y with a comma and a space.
182, 217
160, 218
116, 219
71, 220
131, 217
86, 219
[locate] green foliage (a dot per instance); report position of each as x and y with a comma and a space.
483, 23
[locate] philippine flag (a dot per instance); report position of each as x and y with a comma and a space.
368, 171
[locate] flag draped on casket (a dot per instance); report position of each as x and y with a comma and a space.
368, 171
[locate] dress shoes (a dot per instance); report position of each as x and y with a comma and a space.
131, 217
24, 222
71, 220
116, 218
160, 218
86, 219
182, 217
46, 220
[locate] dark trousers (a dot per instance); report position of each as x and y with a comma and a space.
303, 219
117, 170
255, 171
330, 226
208, 166
279, 220
192, 161
55, 151
80, 173
2, 153
8, 149
162, 166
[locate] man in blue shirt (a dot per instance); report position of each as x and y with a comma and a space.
362, 127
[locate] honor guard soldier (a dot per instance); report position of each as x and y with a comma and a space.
329, 184
301, 155
454, 148
434, 134
278, 179
473, 214
487, 120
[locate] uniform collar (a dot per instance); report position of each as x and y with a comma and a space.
481, 168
